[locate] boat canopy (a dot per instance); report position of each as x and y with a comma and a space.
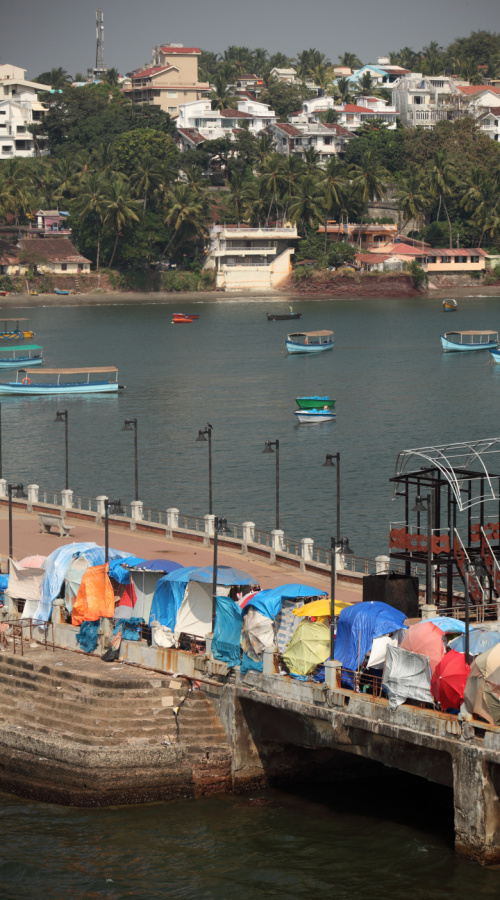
14, 320
310, 334
87, 371
21, 349
449, 334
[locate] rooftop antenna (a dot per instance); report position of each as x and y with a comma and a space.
99, 21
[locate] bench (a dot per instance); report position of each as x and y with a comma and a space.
47, 522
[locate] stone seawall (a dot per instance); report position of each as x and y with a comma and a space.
355, 286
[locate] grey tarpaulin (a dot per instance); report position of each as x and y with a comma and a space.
406, 675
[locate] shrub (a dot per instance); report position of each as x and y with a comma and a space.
417, 274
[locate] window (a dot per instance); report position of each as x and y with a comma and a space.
21, 129
445, 259
3, 112
172, 109
6, 148
474, 259
64, 267
172, 94
419, 101
3, 125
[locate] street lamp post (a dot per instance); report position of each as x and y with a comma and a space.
115, 507
62, 416
420, 506
341, 545
18, 488
333, 461
269, 449
205, 434
220, 527
475, 567
131, 425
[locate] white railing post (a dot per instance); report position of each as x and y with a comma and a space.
100, 508
248, 532
209, 524
307, 545
3, 488
382, 564
277, 542
33, 490
136, 510
173, 517
67, 499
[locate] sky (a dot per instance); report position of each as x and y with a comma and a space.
57, 33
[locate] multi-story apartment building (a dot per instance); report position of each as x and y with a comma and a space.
250, 258
198, 122
423, 100
489, 122
19, 108
171, 79
326, 139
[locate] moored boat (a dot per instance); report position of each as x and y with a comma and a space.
450, 305
280, 317
314, 402
4, 293
309, 341
183, 317
24, 355
469, 340
314, 416
57, 291
15, 329
24, 384
495, 355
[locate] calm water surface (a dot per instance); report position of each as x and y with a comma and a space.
394, 387
388, 838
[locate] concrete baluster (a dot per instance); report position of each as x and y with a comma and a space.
277, 542
136, 510
382, 564
209, 524
307, 545
33, 490
248, 532
100, 508
173, 517
3, 488
67, 499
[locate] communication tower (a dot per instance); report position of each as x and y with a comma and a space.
96, 73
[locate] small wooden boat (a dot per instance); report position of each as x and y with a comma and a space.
450, 305
33, 293
314, 416
15, 329
314, 402
57, 291
24, 384
183, 317
280, 317
4, 293
469, 340
309, 341
24, 355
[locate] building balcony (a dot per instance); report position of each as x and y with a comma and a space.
245, 251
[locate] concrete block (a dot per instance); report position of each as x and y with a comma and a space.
167, 701
332, 669
175, 685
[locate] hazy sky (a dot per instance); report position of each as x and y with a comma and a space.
40, 34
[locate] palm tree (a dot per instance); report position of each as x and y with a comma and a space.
90, 204
57, 78
322, 76
221, 93
111, 76
312, 161
441, 181
368, 182
412, 198
148, 177
344, 90
255, 202
365, 83
186, 214
350, 61
121, 208
306, 207
259, 60
333, 187
16, 184
273, 181
292, 172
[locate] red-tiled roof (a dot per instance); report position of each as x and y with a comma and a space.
192, 134
54, 249
478, 88
288, 129
235, 114
339, 129
458, 251
145, 73
351, 107
492, 110
180, 51
371, 258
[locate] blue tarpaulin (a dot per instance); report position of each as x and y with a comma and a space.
227, 631
116, 570
159, 565
167, 600
269, 602
226, 576
447, 624
357, 628
87, 635
248, 664
4, 582
130, 628
479, 641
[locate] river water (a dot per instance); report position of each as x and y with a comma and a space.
386, 837
395, 389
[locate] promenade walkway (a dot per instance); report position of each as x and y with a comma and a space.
27, 541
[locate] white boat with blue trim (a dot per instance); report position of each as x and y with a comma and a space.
63, 381
309, 341
314, 416
14, 357
469, 340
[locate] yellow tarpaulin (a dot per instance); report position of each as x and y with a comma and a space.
320, 608
95, 596
309, 646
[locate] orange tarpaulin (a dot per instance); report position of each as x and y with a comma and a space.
95, 597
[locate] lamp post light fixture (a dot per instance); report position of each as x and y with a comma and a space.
19, 495
113, 506
269, 449
343, 547
62, 416
131, 425
220, 527
426, 506
204, 435
333, 461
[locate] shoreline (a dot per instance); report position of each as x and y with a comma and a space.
124, 298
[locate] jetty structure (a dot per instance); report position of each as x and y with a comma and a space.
174, 718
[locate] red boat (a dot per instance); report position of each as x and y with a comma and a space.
180, 318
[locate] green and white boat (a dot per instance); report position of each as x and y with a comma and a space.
314, 402
13, 357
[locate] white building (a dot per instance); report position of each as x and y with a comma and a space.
350, 115
489, 123
424, 100
19, 108
250, 258
198, 122
326, 139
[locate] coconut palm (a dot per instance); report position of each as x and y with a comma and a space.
121, 209
368, 182
272, 177
412, 198
306, 206
221, 95
344, 90
148, 178
350, 61
186, 214
255, 200
441, 181
91, 203
111, 76
16, 185
333, 188
293, 171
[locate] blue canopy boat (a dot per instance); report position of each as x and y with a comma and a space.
57, 291
23, 384
309, 341
469, 340
25, 355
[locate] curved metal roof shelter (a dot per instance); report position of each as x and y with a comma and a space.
458, 463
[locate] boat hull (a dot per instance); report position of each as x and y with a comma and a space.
295, 347
20, 363
17, 388
314, 402
313, 416
63, 293
451, 346
496, 356
271, 317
